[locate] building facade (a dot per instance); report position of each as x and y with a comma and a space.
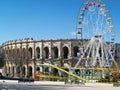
21, 56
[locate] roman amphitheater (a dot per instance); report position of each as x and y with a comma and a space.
21, 56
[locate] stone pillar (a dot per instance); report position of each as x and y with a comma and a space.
15, 75
26, 71
4, 53
7, 68
60, 54
41, 51
33, 50
33, 71
4, 70
10, 71
70, 50
60, 50
50, 50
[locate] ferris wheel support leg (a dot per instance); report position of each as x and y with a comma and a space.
101, 74
83, 54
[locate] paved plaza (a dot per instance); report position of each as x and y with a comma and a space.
32, 86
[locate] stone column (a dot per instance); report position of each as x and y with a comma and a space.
41, 50
4, 70
60, 54
60, 50
33, 71
15, 71
7, 66
50, 50
70, 50
33, 50
26, 70
11, 71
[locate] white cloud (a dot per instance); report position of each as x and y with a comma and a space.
73, 33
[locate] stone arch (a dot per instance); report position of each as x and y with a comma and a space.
30, 52
75, 51
9, 71
55, 71
65, 52
5, 53
13, 71
118, 49
46, 52
30, 71
55, 52
18, 53
18, 71
23, 71
46, 69
5, 69
37, 52
9, 53
14, 53
23, 53
38, 69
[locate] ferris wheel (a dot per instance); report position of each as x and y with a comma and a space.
95, 24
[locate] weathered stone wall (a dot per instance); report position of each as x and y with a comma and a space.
21, 56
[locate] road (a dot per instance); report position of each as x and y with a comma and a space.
27, 86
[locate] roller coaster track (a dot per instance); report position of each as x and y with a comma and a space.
62, 69
67, 72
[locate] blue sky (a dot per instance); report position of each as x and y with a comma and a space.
45, 19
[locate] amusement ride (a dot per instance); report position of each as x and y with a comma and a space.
96, 60
95, 24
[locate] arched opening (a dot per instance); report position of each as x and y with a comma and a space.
46, 52
55, 52
9, 70
30, 71
18, 71
5, 69
38, 69
13, 69
9, 53
75, 50
23, 71
100, 52
18, 53
38, 52
46, 69
13, 54
23, 53
30, 52
65, 52
55, 71
118, 50
4, 51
